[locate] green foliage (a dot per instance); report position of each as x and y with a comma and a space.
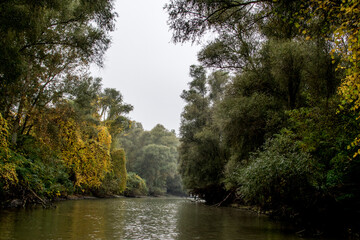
174, 185
56, 123
246, 120
111, 104
33, 175
284, 133
202, 155
135, 186
156, 164
8, 176
66, 149
115, 182
28, 171
119, 169
153, 156
51, 41
322, 134
83, 91
279, 176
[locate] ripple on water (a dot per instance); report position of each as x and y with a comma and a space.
138, 219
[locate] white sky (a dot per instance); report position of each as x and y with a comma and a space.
145, 66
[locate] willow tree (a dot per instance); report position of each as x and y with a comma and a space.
201, 154
41, 42
274, 68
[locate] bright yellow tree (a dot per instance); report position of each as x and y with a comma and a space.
88, 160
8, 174
104, 137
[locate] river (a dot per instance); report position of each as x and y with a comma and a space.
139, 218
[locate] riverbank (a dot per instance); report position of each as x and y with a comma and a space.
35, 200
47, 203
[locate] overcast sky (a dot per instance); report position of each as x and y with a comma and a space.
145, 66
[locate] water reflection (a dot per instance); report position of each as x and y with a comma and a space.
226, 223
146, 218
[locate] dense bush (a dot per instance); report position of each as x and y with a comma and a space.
135, 186
30, 172
34, 180
279, 176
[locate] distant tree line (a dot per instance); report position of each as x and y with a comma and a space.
153, 155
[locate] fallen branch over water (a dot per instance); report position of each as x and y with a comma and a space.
220, 203
41, 201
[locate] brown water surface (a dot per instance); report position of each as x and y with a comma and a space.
141, 218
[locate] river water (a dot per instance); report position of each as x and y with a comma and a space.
140, 218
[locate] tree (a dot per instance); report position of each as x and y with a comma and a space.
118, 160
8, 174
88, 161
56, 141
279, 175
285, 147
260, 43
191, 19
202, 157
155, 165
342, 30
135, 186
111, 105
48, 40
196, 111
153, 156
132, 141
86, 96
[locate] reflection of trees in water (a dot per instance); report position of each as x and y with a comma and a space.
137, 218
198, 221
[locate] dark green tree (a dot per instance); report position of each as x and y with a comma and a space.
202, 157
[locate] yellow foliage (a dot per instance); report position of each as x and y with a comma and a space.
89, 161
4, 133
104, 137
344, 16
8, 174
350, 86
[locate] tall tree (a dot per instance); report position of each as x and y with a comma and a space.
201, 155
41, 43
111, 105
